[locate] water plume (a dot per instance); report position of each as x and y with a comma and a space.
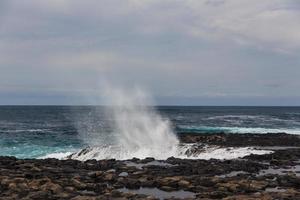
138, 129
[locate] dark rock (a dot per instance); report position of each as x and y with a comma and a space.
209, 179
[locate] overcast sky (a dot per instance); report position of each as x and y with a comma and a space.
186, 52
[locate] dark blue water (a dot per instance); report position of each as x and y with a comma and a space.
36, 131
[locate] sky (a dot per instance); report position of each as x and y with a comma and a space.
183, 52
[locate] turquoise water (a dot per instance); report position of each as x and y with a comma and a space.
36, 131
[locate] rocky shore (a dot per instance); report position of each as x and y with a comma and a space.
242, 140
269, 176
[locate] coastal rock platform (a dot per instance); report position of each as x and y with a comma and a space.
268, 176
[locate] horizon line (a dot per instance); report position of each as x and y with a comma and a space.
162, 105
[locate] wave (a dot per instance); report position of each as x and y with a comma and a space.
186, 151
137, 129
25, 130
215, 152
122, 153
208, 129
58, 155
238, 119
221, 117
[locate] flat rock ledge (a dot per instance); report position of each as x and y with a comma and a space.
242, 140
270, 176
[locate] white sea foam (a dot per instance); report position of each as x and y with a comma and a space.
239, 119
222, 117
58, 155
26, 130
139, 131
206, 153
216, 152
137, 128
239, 129
120, 153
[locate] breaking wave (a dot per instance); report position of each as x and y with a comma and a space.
140, 131
137, 128
186, 151
208, 129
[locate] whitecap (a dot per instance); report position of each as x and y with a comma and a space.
185, 151
205, 129
58, 155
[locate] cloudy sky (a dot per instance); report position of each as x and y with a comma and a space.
187, 52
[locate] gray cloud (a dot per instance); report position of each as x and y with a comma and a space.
182, 49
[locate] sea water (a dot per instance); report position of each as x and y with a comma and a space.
57, 131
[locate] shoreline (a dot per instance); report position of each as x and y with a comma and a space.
241, 139
268, 176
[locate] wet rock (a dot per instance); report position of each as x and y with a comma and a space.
109, 177
100, 187
132, 183
70, 189
147, 182
39, 195
183, 184
22, 186
111, 171
169, 181
116, 193
209, 179
146, 160
230, 186
95, 174
35, 184
81, 197
289, 181
12, 186
49, 186
238, 140
256, 185
77, 184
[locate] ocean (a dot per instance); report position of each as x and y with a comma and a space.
42, 131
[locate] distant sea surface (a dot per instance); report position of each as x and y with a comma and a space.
37, 131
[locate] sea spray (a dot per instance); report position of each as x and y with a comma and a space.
141, 131
137, 128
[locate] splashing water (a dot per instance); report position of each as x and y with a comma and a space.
139, 131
